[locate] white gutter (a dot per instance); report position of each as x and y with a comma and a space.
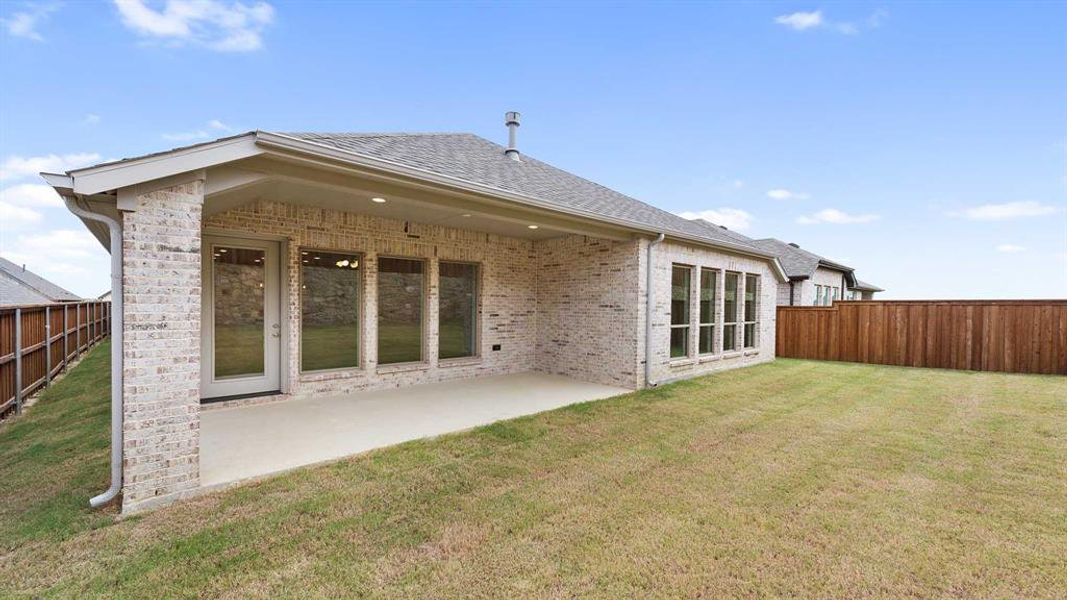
648, 312
116, 347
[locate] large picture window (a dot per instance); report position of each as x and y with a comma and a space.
458, 309
751, 312
730, 307
680, 287
329, 310
401, 293
706, 333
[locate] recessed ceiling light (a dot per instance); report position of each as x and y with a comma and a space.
465, 215
532, 226
378, 200
223, 250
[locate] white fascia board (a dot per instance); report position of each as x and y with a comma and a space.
61, 183
112, 176
299, 145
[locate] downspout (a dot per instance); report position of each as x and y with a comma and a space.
116, 349
792, 284
648, 312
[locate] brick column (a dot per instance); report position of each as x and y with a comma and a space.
161, 347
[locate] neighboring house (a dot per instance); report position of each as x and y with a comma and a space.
813, 279
863, 291
319, 264
19, 286
106, 296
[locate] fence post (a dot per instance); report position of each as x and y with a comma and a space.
66, 331
18, 361
48, 345
77, 329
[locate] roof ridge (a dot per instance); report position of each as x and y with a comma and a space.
376, 133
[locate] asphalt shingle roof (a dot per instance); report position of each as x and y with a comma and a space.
475, 159
19, 286
797, 262
867, 287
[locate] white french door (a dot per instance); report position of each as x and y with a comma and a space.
240, 351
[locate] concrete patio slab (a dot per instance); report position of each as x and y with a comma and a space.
251, 441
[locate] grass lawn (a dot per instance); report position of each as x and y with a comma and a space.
792, 478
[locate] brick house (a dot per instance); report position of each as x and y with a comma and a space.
293, 266
814, 280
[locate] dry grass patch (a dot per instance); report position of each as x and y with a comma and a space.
794, 478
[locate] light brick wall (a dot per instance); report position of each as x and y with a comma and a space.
508, 298
667, 254
588, 300
161, 346
822, 276
783, 293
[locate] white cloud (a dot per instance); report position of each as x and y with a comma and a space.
19, 167
732, 218
75, 254
60, 244
198, 134
24, 23
1009, 248
12, 216
1061, 256
803, 21
187, 136
836, 217
1008, 210
91, 119
30, 195
784, 194
800, 20
214, 24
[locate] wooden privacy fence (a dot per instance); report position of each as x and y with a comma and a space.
37, 342
1019, 336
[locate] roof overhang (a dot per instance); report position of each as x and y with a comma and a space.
848, 272
100, 184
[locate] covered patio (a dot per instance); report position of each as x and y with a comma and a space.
245, 442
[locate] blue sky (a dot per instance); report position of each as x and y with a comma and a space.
923, 144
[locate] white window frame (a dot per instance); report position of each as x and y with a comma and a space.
755, 313
739, 298
715, 300
688, 324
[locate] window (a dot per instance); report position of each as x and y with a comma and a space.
458, 310
400, 301
729, 319
680, 288
837, 292
818, 295
751, 304
329, 310
706, 334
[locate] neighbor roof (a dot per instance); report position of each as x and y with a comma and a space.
866, 287
797, 262
19, 286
